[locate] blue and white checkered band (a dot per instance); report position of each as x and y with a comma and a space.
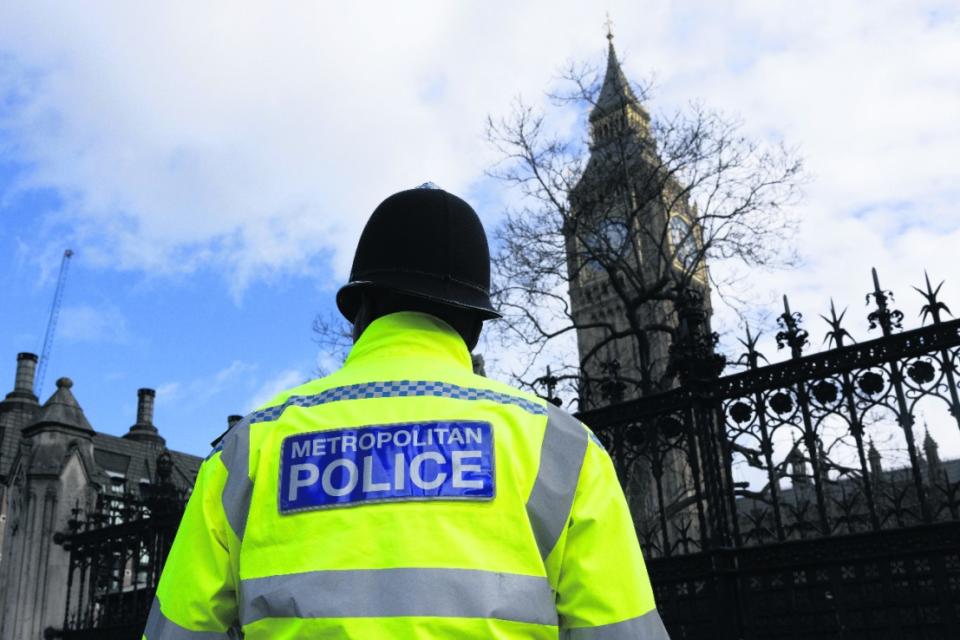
386, 463
395, 389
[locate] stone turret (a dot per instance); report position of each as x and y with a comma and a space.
17, 410
876, 467
798, 466
53, 470
823, 463
931, 452
61, 411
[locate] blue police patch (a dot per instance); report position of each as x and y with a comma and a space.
382, 463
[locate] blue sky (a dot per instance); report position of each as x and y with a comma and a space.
212, 167
206, 353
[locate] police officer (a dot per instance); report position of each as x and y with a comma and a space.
403, 496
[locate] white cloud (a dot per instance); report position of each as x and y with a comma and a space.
284, 380
200, 391
85, 323
236, 388
246, 138
255, 141
227, 376
170, 391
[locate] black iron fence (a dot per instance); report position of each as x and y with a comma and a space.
807, 491
117, 553
893, 584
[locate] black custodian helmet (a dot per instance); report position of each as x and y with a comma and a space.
426, 243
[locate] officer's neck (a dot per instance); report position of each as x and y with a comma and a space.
410, 334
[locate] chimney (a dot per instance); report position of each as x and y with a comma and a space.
145, 406
144, 430
26, 372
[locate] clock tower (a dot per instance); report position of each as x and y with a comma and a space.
633, 244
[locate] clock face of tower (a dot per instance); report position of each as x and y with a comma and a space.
607, 244
683, 241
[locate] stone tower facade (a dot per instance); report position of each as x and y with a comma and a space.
633, 241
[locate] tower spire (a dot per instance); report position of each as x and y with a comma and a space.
930, 448
876, 466
617, 109
615, 94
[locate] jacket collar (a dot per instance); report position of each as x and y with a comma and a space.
409, 334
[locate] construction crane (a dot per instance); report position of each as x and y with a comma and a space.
52, 323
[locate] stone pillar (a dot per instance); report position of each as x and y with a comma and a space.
35, 577
4, 548
19, 606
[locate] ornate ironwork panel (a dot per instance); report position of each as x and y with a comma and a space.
888, 585
117, 553
788, 451
788, 521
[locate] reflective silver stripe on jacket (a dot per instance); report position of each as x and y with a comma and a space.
561, 457
384, 593
649, 626
238, 488
160, 627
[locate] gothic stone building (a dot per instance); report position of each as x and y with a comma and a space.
52, 462
893, 494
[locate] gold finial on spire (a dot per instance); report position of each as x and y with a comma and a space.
609, 25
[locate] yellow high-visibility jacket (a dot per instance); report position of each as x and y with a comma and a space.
405, 497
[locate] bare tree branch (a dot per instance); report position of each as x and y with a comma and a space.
626, 219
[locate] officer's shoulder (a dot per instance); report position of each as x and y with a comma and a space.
485, 382
308, 388
507, 390
218, 442
547, 407
558, 412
